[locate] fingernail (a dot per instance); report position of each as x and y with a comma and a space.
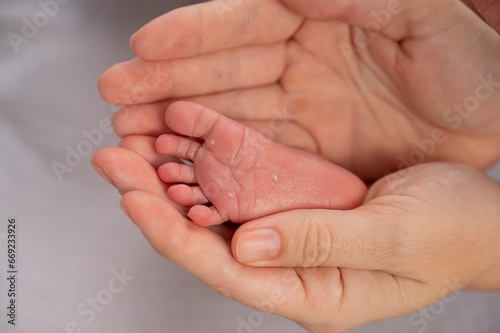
102, 173
258, 245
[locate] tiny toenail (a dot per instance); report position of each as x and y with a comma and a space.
258, 245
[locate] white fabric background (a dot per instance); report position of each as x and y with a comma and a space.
72, 234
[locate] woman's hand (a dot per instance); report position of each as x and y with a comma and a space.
422, 233
372, 100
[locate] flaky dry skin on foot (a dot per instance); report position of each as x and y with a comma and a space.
244, 174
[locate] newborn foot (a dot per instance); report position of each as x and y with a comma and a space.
243, 174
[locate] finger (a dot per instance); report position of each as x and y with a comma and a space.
187, 196
397, 20
138, 81
386, 15
194, 120
144, 146
261, 103
141, 119
490, 10
175, 238
173, 145
296, 293
361, 239
177, 173
116, 165
207, 255
212, 26
137, 120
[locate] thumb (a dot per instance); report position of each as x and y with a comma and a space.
362, 238
490, 10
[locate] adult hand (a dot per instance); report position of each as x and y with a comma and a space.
421, 234
370, 100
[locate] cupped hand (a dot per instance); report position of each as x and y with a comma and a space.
422, 233
368, 85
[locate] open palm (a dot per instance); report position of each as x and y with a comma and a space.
422, 84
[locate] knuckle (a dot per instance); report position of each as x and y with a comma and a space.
317, 242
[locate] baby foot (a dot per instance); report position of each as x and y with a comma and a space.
242, 173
